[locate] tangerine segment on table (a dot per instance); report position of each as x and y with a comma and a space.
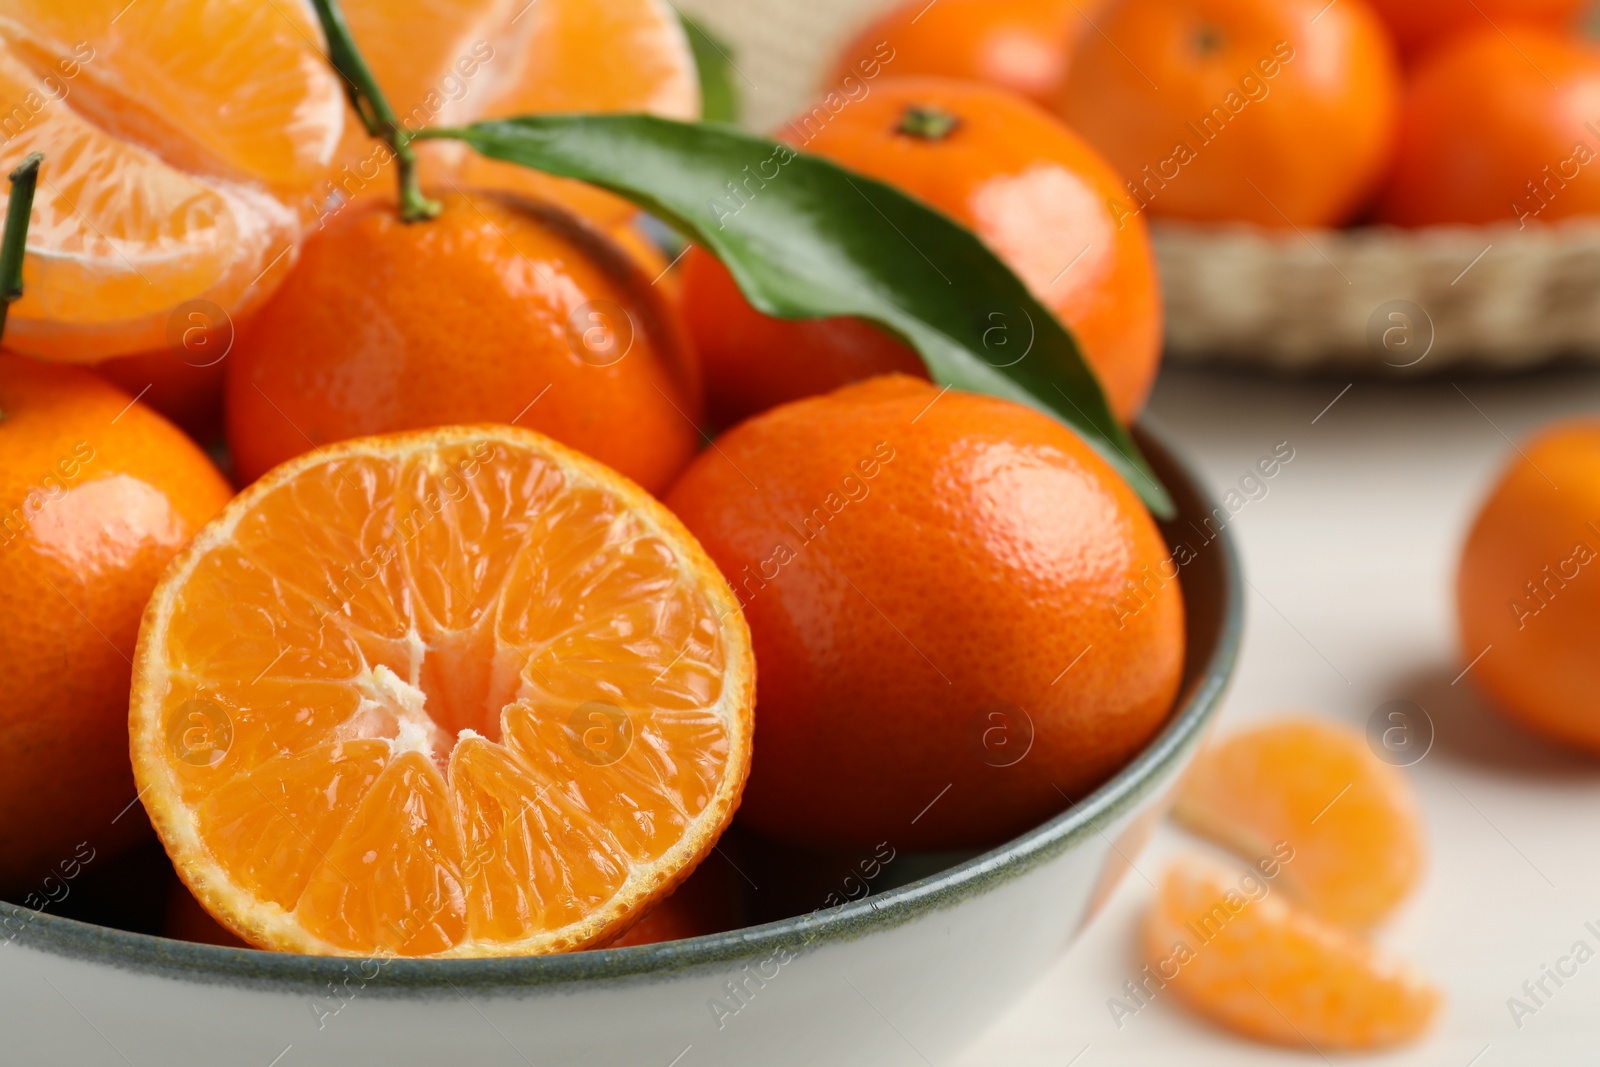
449, 693
1241, 955
1350, 818
182, 137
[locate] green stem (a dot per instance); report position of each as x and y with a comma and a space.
14, 242
373, 107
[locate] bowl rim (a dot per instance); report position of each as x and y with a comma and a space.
779, 941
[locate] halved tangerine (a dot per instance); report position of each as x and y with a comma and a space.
1315, 786
1246, 958
456, 692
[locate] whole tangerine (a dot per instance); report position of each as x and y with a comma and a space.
1041, 198
1019, 45
99, 493
1274, 112
1499, 125
498, 310
1528, 587
938, 588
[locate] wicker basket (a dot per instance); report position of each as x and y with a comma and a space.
1371, 299
1382, 299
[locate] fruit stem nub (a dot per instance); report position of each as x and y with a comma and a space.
927, 122
373, 107
14, 243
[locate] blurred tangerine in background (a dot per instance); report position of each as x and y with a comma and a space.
1020, 45
1040, 197
1279, 113
1420, 25
1499, 125
1528, 587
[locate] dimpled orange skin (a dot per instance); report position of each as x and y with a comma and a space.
1039, 196
970, 552
1019, 45
97, 496
1481, 121
1541, 667
1418, 25
478, 315
1304, 146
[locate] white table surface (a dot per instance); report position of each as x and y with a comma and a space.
1351, 562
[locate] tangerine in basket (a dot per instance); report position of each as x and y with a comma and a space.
1041, 198
456, 692
1350, 818
1279, 113
98, 494
1238, 953
499, 309
1498, 127
1019, 45
940, 588
185, 141
1527, 595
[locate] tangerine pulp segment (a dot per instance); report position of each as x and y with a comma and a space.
182, 141
1249, 960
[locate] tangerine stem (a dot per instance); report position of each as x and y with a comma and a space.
373, 107
14, 242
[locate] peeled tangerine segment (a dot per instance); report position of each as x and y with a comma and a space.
182, 142
1233, 949
450, 62
448, 693
1315, 786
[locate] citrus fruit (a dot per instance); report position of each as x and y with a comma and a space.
183, 141
1315, 786
1526, 594
1419, 25
940, 588
1019, 45
447, 64
98, 494
1040, 197
456, 692
498, 310
1275, 112
1496, 127
1239, 954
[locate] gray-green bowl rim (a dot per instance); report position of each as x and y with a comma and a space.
312, 975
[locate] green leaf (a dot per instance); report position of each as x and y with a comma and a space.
713, 58
805, 238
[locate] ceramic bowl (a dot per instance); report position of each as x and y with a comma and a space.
906, 973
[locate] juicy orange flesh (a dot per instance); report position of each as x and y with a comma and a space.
181, 139
428, 666
1259, 965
